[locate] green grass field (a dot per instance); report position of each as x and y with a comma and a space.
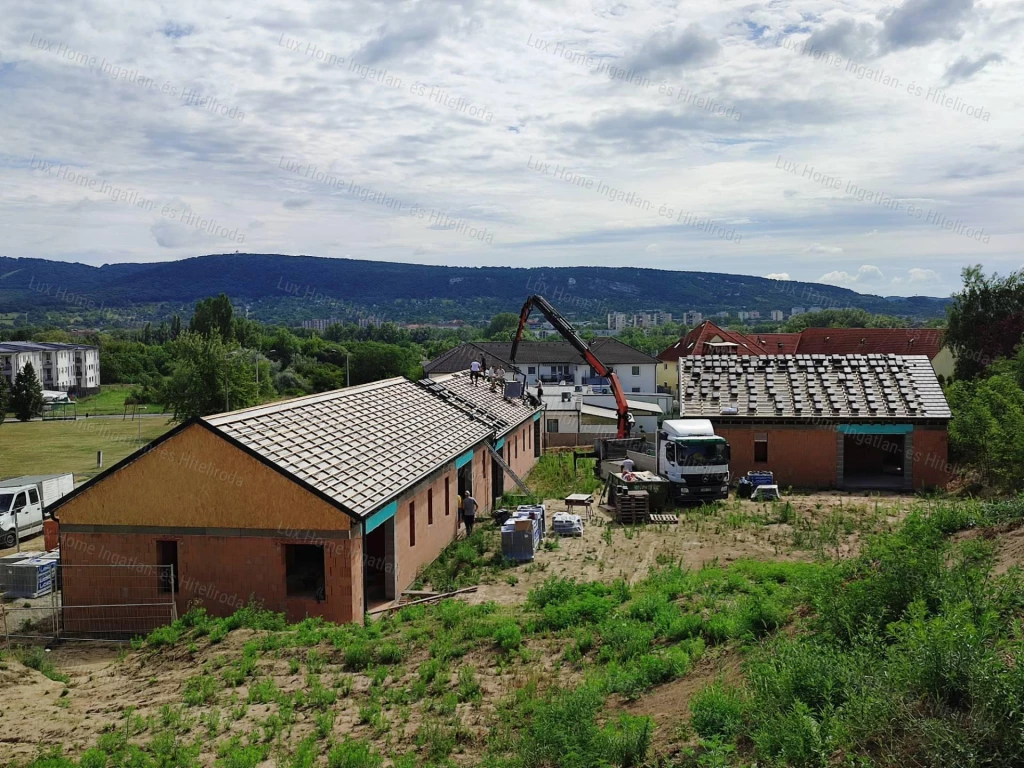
46, 447
110, 401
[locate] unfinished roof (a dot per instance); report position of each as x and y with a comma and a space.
811, 387
360, 446
708, 338
507, 414
610, 351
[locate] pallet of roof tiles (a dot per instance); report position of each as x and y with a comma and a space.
31, 578
9, 561
520, 538
538, 511
632, 508
664, 520
566, 524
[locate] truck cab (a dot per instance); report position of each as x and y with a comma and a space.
21, 503
694, 459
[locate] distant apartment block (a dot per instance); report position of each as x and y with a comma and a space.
321, 324
72, 368
796, 311
616, 321
693, 317
778, 315
663, 318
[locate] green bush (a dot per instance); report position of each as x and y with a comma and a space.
352, 753
718, 710
508, 636
201, 689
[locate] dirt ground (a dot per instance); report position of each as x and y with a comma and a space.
738, 530
107, 678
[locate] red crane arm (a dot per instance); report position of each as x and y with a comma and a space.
569, 333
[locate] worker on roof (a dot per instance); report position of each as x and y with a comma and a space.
474, 373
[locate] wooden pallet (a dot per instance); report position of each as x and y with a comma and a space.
632, 508
664, 519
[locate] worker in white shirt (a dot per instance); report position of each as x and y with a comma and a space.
474, 373
627, 465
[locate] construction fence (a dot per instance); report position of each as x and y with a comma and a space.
47, 602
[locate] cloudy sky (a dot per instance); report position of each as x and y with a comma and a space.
872, 145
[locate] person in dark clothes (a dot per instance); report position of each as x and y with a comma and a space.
469, 507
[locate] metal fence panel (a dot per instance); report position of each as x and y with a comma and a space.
90, 602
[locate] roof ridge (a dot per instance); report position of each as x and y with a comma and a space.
216, 420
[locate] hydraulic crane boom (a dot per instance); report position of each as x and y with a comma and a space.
560, 324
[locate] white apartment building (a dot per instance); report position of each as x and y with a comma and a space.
778, 314
692, 318
73, 368
796, 311
616, 321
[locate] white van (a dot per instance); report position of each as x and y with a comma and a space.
28, 496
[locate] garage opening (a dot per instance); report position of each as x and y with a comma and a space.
874, 461
379, 572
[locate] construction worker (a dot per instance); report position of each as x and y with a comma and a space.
474, 373
499, 378
469, 507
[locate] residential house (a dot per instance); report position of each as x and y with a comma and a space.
824, 421
316, 506
551, 362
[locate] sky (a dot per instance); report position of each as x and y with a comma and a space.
870, 145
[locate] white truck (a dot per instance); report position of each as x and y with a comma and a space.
687, 453
24, 499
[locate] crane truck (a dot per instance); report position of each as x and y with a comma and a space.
687, 452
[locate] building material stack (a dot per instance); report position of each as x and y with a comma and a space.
632, 508
566, 524
521, 534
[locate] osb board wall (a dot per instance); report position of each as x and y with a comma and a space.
196, 479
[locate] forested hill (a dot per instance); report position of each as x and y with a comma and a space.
406, 290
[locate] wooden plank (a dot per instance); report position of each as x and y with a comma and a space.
424, 600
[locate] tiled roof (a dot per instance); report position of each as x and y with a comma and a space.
810, 341
361, 445
697, 340
507, 413
869, 387
867, 341
460, 358
610, 351
40, 346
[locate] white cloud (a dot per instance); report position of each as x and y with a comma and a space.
653, 248
778, 276
819, 248
866, 274
382, 131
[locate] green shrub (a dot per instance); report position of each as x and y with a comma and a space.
627, 742
201, 689
390, 653
717, 710
508, 636
358, 656
352, 753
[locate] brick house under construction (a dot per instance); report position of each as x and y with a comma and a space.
317, 506
824, 421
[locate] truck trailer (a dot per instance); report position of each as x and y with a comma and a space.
25, 499
686, 452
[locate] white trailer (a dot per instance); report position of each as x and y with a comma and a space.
25, 499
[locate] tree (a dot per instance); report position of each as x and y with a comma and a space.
27, 397
208, 376
986, 320
841, 318
175, 327
502, 327
213, 316
5, 398
372, 361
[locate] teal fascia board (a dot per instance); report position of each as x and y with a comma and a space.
876, 429
464, 459
381, 516
536, 416
500, 444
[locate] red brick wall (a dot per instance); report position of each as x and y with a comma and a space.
221, 573
430, 538
799, 456
931, 456
806, 456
